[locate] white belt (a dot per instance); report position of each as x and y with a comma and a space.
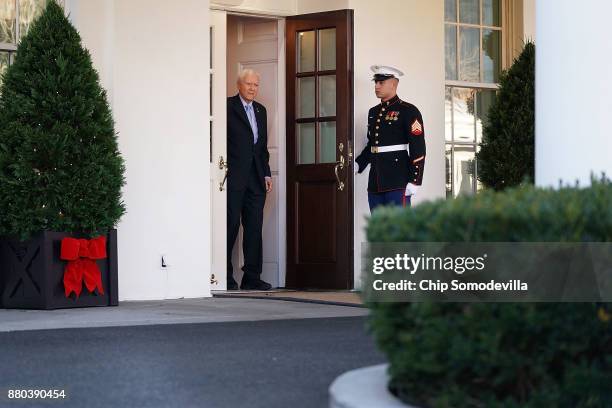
385, 149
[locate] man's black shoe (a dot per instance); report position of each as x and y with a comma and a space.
232, 284
256, 284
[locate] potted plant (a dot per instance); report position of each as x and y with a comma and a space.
506, 156
61, 174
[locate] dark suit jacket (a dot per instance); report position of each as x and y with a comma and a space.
241, 151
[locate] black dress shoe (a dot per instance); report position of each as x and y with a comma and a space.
232, 284
255, 284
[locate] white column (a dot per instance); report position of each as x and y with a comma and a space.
94, 19
529, 19
161, 110
573, 91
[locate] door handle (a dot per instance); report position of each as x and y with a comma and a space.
339, 166
223, 165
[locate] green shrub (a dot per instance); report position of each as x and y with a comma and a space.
499, 354
506, 156
60, 167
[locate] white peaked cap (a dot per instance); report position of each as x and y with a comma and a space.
386, 71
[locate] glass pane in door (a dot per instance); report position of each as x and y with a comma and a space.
305, 97
306, 143
327, 95
306, 51
327, 137
327, 49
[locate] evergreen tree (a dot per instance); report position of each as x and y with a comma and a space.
60, 167
506, 156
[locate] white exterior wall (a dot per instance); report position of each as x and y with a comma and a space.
158, 88
573, 104
317, 6
411, 38
153, 59
95, 21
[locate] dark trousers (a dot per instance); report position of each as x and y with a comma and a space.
247, 204
394, 197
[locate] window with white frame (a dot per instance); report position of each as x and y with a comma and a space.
473, 53
16, 16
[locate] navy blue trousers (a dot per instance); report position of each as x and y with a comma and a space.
393, 197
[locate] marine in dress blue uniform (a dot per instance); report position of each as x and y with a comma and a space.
395, 149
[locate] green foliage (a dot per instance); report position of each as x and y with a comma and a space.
522, 214
506, 156
499, 354
60, 167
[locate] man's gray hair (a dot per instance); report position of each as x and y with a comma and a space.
247, 72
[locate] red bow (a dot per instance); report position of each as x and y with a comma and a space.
81, 255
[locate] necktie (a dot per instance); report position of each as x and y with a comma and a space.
252, 121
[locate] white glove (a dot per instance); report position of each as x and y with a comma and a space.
411, 189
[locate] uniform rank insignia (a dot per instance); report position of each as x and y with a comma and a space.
417, 128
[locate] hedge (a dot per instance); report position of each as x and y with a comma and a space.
499, 354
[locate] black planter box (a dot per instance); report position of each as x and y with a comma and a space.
32, 273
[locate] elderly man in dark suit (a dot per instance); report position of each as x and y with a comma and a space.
248, 179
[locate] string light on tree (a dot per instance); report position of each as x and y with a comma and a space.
45, 111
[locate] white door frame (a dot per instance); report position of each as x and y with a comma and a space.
219, 206
218, 150
282, 155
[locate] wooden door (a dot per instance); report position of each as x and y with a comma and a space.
319, 150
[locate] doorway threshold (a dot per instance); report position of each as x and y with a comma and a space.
338, 298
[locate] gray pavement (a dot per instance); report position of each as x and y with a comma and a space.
203, 310
209, 352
